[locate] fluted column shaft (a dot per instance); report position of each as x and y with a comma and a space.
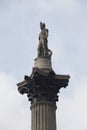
43, 116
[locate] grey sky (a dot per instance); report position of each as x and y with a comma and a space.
19, 29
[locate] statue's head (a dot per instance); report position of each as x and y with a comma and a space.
42, 25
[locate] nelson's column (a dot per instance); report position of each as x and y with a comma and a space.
42, 86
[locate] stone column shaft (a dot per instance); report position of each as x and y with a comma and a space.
43, 116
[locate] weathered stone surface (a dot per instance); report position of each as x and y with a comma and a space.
43, 63
43, 86
43, 115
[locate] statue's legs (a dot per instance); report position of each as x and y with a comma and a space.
42, 48
45, 48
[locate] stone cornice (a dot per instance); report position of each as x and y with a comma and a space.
43, 86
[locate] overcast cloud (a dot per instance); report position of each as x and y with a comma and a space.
19, 29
